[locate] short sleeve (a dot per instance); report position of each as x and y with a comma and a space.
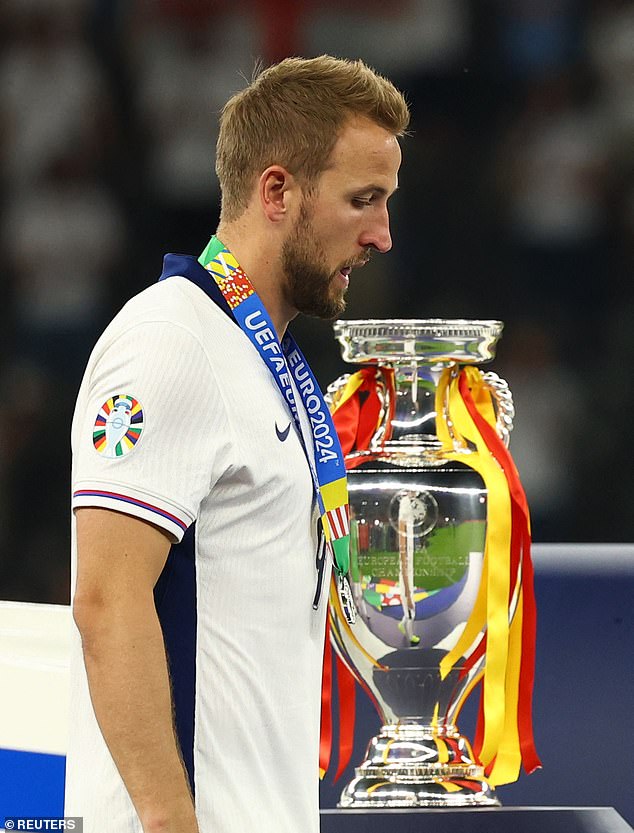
150, 434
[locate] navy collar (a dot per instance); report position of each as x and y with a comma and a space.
187, 266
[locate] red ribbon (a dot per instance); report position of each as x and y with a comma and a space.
356, 419
347, 702
325, 738
520, 545
347, 705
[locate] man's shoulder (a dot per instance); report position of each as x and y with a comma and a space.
175, 301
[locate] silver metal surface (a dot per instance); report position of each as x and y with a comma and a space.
584, 559
429, 340
417, 538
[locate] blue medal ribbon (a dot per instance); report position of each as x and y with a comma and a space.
284, 361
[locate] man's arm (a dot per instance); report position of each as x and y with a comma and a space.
119, 561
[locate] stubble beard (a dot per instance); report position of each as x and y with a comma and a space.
309, 287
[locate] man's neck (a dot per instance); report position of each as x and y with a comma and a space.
262, 265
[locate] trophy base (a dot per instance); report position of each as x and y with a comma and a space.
369, 793
411, 765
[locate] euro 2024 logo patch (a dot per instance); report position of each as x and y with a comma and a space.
118, 426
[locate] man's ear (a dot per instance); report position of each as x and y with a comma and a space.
277, 190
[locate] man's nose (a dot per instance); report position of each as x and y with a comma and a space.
377, 236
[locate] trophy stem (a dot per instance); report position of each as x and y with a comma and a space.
410, 764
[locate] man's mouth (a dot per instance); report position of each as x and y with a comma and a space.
344, 275
344, 272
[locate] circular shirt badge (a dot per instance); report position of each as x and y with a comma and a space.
118, 426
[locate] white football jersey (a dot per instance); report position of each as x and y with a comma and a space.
180, 423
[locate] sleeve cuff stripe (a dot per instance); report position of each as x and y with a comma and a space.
125, 499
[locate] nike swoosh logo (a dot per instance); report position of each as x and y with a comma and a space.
282, 435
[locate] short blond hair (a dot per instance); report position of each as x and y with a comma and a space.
291, 115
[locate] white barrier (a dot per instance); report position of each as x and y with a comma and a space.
34, 648
34, 708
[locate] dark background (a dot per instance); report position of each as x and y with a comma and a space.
516, 202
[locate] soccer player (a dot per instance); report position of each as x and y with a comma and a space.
204, 464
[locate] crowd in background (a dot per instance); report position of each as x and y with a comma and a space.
516, 202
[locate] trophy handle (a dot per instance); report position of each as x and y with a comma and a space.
335, 389
503, 399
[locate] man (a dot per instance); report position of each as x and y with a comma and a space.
199, 455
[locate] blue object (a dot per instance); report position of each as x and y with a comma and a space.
31, 784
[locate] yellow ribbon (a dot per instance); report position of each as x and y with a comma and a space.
462, 442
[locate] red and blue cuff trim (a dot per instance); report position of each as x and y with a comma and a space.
141, 504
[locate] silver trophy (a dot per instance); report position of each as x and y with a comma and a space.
417, 538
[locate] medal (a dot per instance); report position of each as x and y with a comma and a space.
347, 601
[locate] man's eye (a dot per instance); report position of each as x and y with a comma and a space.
359, 201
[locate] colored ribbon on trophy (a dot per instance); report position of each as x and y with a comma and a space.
285, 360
325, 730
357, 414
346, 690
505, 603
347, 703
357, 410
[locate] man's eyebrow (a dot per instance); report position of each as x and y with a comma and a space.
379, 190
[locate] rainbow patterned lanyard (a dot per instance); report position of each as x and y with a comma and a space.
328, 472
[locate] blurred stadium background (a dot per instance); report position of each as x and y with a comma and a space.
516, 202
